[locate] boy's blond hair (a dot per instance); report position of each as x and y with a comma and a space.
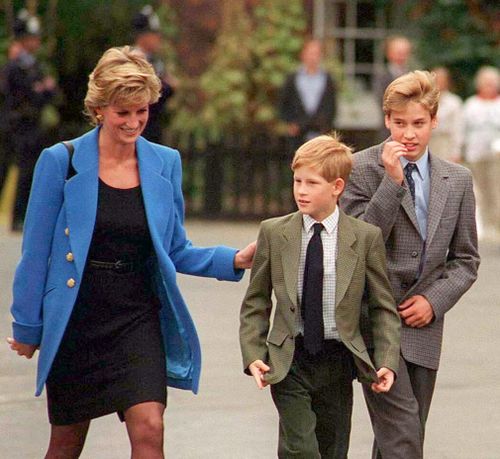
418, 86
328, 155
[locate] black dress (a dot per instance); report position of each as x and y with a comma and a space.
111, 356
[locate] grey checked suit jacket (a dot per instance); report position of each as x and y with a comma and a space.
267, 333
451, 257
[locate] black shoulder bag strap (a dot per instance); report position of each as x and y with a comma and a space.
71, 170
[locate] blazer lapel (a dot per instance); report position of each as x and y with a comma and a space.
80, 197
438, 195
157, 191
347, 258
290, 255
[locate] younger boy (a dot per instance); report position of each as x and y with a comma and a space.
319, 263
425, 209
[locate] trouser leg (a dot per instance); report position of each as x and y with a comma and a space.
423, 381
395, 419
297, 420
314, 403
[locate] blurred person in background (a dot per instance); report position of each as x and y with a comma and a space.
6, 148
308, 99
398, 51
447, 138
104, 237
482, 149
27, 90
149, 39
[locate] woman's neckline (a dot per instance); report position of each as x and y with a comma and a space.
117, 188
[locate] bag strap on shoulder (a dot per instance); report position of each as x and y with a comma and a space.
71, 149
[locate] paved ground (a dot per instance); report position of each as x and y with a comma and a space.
230, 419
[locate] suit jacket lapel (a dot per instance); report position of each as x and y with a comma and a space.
157, 191
290, 255
438, 195
347, 258
80, 197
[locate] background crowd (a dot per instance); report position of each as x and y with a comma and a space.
241, 103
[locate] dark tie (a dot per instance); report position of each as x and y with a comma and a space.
409, 179
312, 293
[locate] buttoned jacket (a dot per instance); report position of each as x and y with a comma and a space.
57, 234
443, 268
267, 330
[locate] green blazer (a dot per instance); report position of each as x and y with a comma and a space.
267, 332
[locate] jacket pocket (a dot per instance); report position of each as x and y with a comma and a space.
359, 344
277, 337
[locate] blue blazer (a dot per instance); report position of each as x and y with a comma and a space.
57, 233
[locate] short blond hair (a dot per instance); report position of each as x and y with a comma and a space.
418, 86
122, 76
328, 155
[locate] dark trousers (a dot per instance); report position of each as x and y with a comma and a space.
314, 403
399, 416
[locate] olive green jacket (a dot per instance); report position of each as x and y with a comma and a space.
267, 331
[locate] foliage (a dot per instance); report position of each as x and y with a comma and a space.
237, 94
215, 105
76, 33
460, 35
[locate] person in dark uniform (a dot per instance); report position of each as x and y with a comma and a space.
148, 38
27, 90
103, 240
6, 149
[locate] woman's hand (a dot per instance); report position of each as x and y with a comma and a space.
22, 349
244, 258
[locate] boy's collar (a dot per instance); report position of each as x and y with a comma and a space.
330, 222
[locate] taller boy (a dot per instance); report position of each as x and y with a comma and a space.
425, 208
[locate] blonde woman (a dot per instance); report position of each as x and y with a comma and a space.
103, 240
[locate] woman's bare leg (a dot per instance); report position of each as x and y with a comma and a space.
66, 442
145, 430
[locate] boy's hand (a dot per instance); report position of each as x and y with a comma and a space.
385, 380
416, 311
258, 370
244, 257
22, 349
390, 157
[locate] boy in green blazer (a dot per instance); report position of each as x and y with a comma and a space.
319, 263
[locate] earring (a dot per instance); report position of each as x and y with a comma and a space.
99, 118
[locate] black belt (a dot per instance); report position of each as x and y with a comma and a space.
118, 266
330, 346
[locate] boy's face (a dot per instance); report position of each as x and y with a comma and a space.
313, 194
411, 127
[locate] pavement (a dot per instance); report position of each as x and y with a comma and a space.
230, 418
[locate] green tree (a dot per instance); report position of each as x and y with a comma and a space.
459, 34
237, 93
276, 43
215, 105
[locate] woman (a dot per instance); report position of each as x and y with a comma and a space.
100, 254
447, 139
482, 150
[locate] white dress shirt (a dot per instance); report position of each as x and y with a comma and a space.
329, 241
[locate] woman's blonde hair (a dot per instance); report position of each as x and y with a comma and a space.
122, 76
328, 155
418, 86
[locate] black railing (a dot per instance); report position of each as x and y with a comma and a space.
245, 179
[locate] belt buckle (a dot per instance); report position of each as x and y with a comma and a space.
119, 266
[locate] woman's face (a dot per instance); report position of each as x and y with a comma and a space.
123, 124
